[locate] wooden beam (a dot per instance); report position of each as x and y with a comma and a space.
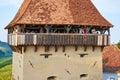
47, 48
13, 48
25, 48
56, 48
93, 48
36, 48
16, 49
103, 42
85, 48
108, 41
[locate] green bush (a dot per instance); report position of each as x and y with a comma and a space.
118, 44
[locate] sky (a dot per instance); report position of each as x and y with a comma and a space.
110, 9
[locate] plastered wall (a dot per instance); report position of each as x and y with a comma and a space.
68, 65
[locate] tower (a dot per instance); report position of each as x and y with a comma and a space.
58, 40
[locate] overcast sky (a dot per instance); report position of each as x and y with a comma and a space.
108, 8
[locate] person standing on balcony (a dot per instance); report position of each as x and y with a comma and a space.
85, 30
94, 31
81, 30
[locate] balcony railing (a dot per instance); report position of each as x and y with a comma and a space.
54, 39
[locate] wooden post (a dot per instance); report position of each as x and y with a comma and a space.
63, 48
36, 48
47, 28
85, 48
15, 35
93, 48
108, 31
25, 48
68, 28
56, 48
76, 48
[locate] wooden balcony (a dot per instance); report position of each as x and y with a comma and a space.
56, 39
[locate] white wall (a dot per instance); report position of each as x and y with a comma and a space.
69, 67
17, 66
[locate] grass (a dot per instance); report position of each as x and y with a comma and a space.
5, 68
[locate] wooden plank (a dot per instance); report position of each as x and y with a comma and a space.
59, 39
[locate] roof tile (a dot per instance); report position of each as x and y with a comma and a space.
111, 59
80, 12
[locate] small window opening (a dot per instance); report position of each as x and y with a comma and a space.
52, 78
83, 75
82, 55
46, 55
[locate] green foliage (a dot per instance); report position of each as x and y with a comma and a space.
5, 68
118, 44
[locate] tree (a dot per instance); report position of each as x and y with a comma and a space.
118, 44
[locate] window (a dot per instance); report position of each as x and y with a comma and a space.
46, 55
52, 78
83, 76
83, 55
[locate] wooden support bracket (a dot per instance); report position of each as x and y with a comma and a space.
47, 48
76, 48
85, 48
36, 48
93, 48
63, 48
56, 48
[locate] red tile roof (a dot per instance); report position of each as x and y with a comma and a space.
79, 12
111, 59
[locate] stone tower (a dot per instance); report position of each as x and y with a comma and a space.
58, 40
